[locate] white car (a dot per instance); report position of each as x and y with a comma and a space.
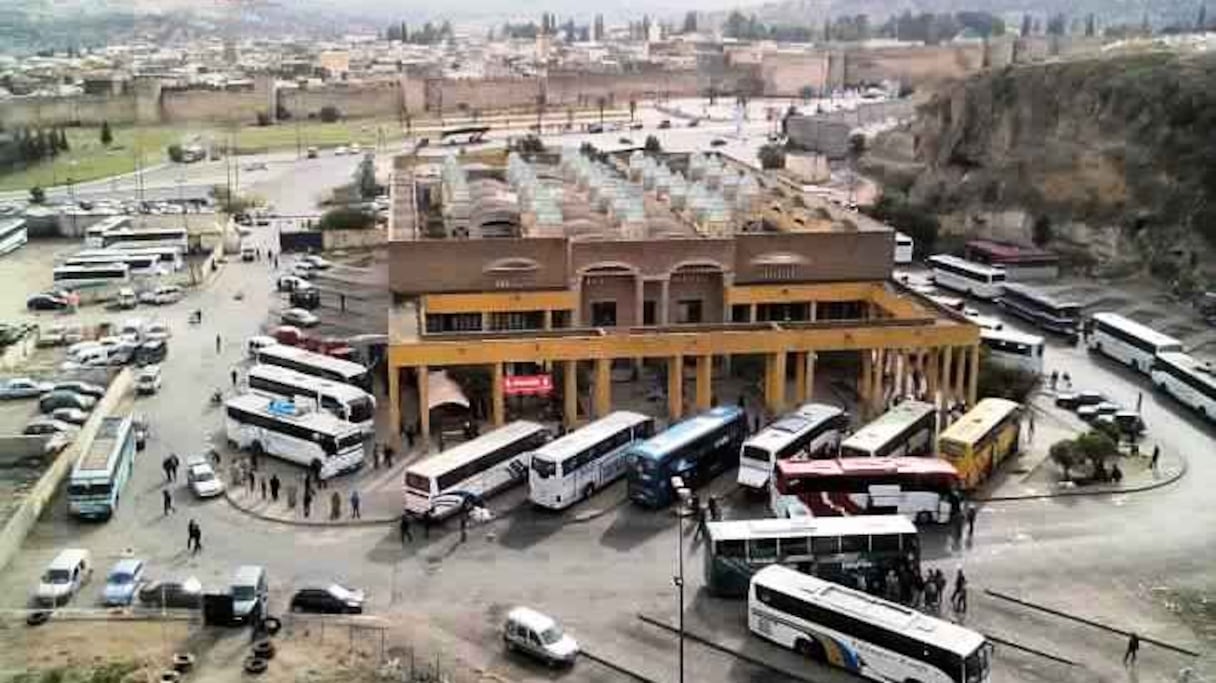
157, 330
538, 635
985, 322
300, 318
73, 416
148, 381
202, 479
24, 387
316, 262
290, 283
303, 269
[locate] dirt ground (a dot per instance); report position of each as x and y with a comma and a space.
317, 651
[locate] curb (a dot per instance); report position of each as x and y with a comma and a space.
1104, 491
362, 522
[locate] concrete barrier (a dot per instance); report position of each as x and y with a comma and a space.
353, 239
26, 515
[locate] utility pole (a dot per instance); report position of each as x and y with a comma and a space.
683, 493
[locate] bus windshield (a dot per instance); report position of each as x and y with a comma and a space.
754, 453
361, 410
89, 489
417, 482
544, 468
978, 663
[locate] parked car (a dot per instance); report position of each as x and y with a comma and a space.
157, 330
47, 302
124, 580
58, 335
256, 343
333, 599
23, 387
64, 576
79, 387
665, 124
305, 297
45, 426
148, 380
694, 123
151, 351
126, 299
139, 425
184, 594
289, 283
1075, 399
202, 479
74, 416
625, 141
289, 335
303, 270
316, 262
300, 317
65, 399
538, 635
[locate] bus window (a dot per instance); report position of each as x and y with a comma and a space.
826, 545
731, 549
884, 543
795, 546
764, 549
853, 544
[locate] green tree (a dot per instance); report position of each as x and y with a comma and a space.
175, 153
329, 114
1096, 447
37, 195
107, 137
346, 218
1064, 453
1057, 25
1041, 232
365, 177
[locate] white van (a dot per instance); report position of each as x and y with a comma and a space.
249, 592
258, 343
132, 329
64, 576
248, 252
538, 635
148, 380
126, 298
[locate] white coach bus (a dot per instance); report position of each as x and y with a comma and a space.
315, 439
1189, 380
968, 277
813, 430
586, 460
1129, 342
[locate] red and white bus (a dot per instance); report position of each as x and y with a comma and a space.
919, 488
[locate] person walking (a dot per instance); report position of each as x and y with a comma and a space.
250, 479
375, 456
198, 539
262, 483
166, 500
167, 466
218, 343
715, 513
274, 487
215, 458
427, 521
173, 463
388, 454
464, 525
959, 597
335, 506
1133, 648
1055, 378
354, 504
931, 593
1156, 456
190, 535
970, 519
404, 528
233, 373
307, 502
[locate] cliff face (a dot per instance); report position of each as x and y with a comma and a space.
1113, 157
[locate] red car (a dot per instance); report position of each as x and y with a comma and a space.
289, 335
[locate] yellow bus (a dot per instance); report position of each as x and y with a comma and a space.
978, 441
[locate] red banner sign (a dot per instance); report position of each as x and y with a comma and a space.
528, 385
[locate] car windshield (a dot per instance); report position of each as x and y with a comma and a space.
120, 577
58, 576
551, 635
203, 474
544, 468
341, 592
242, 592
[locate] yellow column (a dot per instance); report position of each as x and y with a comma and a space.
879, 393
497, 396
705, 381
424, 411
570, 391
394, 405
548, 319
947, 363
960, 374
931, 375
973, 388
800, 377
775, 368
814, 311
603, 386
808, 362
485, 322
675, 387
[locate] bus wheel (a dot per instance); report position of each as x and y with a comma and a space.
810, 648
924, 517
588, 490
257, 449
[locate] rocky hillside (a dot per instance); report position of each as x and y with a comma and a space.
1113, 158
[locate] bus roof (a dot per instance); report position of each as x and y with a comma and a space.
112, 431
890, 423
1201, 370
345, 367
980, 420
689, 430
852, 467
339, 390
785, 428
978, 267
910, 622
737, 529
490, 441
580, 439
318, 420
1035, 294
1143, 331
1011, 336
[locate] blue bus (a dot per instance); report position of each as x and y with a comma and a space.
101, 472
696, 450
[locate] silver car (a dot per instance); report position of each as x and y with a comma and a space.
23, 387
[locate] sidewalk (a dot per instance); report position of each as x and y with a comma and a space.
1032, 474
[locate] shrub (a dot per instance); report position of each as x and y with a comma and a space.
37, 195
1001, 382
263, 119
1064, 453
176, 154
329, 114
345, 218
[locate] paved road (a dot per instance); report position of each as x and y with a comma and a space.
1133, 560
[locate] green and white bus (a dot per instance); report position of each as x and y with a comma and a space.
102, 471
857, 551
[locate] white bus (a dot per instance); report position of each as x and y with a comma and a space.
1188, 379
96, 275
315, 364
968, 277
440, 485
126, 238
342, 400
137, 264
909, 428
903, 248
13, 235
94, 234
861, 633
1127, 341
325, 444
814, 429
586, 460
1042, 310
169, 258
1014, 350
97, 478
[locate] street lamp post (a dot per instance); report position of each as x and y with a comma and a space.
677, 483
